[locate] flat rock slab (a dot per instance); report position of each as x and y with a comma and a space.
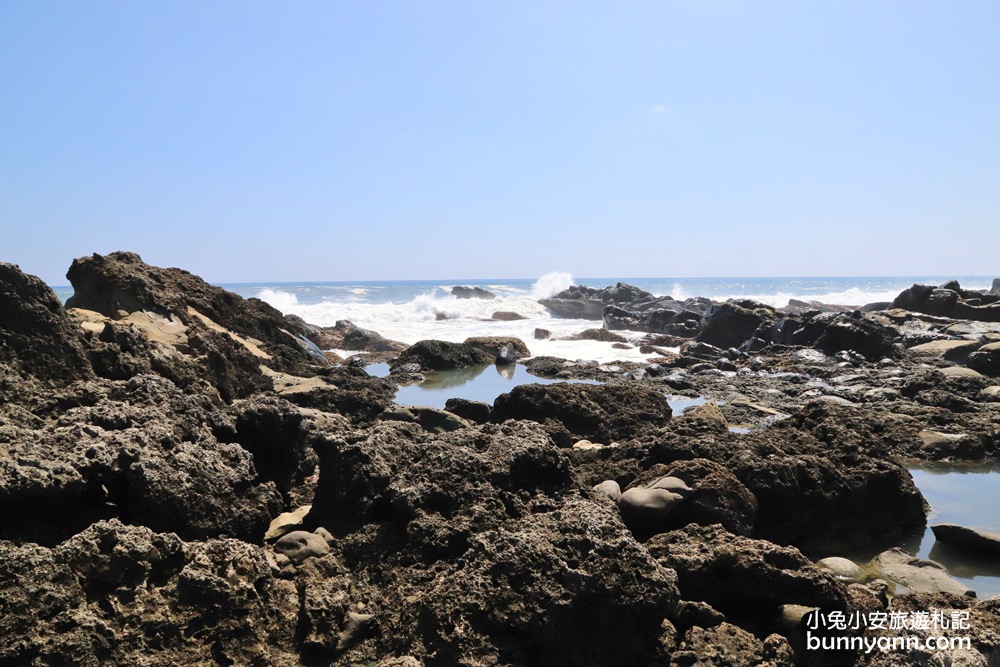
962, 536
954, 350
919, 575
960, 371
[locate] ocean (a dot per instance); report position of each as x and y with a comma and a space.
409, 311
413, 310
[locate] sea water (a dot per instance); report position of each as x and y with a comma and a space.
409, 311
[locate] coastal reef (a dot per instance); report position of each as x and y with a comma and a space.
191, 477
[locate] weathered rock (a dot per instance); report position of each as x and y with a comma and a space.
464, 292
952, 350
485, 529
121, 281
731, 572
124, 595
986, 359
439, 355
968, 538
345, 335
542, 334
473, 411
602, 335
604, 413
730, 325
919, 575
728, 645
431, 419
36, 337
949, 300
507, 316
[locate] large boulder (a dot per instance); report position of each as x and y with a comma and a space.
601, 413
731, 324
439, 355
581, 302
464, 292
950, 300
345, 335
37, 338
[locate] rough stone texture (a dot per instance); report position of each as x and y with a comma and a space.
439, 355
37, 338
731, 572
601, 413
345, 335
492, 345
918, 575
117, 595
121, 281
727, 645
729, 324
986, 359
484, 529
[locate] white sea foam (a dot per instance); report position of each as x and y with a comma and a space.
286, 302
854, 296
551, 284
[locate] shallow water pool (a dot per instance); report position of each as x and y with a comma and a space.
480, 383
968, 495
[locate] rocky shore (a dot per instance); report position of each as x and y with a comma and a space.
189, 477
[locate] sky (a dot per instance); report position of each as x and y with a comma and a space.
308, 141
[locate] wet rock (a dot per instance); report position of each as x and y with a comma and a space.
507, 316
464, 292
542, 334
494, 345
473, 411
862, 335
919, 575
604, 413
601, 335
440, 355
345, 335
842, 568
587, 303
968, 538
506, 356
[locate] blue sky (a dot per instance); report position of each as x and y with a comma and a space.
253, 141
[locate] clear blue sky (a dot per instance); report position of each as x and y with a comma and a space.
264, 141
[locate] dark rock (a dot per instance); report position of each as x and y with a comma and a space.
535, 571
864, 336
986, 359
492, 346
507, 316
969, 538
463, 292
347, 391
124, 595
506, 356
431, 419
995, 289
122, 282
949, 300
474, 411
732, 572
728, 645
602, 413
345, 335
730, 324
586, 303
601, 335
439, 355
36, 336
542, 334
